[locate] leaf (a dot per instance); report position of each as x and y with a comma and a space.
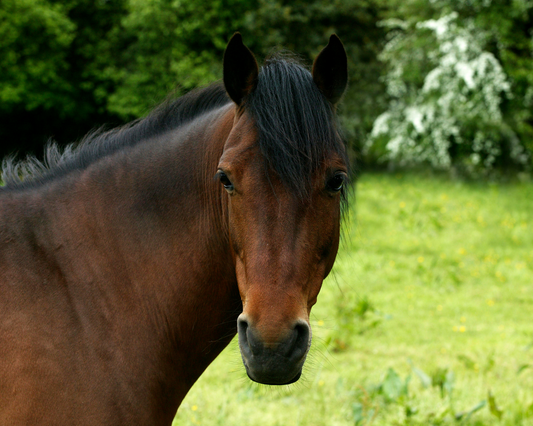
424, 378
438, 379
468, 362
410, 411
493, 407
449, 382
529, 410
370, 415
358, 413
490, 363
522, 368
467, 414
393, 386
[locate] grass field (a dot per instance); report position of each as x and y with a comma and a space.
427, 320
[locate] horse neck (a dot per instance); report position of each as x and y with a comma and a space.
141, 242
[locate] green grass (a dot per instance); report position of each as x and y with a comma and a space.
427, 320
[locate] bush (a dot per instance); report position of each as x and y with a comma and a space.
446, 97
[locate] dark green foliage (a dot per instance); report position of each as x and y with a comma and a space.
69, 66
511, 42
51, 79
169, 46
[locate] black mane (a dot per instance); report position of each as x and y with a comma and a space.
98, 144
295, 122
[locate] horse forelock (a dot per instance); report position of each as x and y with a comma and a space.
297, 128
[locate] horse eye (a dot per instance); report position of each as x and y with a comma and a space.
228, 186
336, 182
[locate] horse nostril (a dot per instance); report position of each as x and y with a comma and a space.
297, 344
242, 329
242, 326
249, 344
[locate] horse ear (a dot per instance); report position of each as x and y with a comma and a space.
240, 69
330, 70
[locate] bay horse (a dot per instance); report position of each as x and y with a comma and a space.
128, 263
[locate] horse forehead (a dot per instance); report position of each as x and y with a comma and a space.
244, 132
242, 157
241, 143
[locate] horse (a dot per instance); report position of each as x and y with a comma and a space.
129, 261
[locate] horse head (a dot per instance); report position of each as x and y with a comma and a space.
283, 171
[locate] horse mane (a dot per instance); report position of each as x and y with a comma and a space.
296, 124
97, 144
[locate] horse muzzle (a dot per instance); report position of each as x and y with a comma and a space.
273, 363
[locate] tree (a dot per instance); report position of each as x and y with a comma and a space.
456, 98
89, 62
50, 54
169, 46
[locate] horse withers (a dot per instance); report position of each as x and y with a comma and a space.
128, 263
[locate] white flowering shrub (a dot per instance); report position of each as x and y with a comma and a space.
446, 94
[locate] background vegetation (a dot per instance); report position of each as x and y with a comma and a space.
444, 83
